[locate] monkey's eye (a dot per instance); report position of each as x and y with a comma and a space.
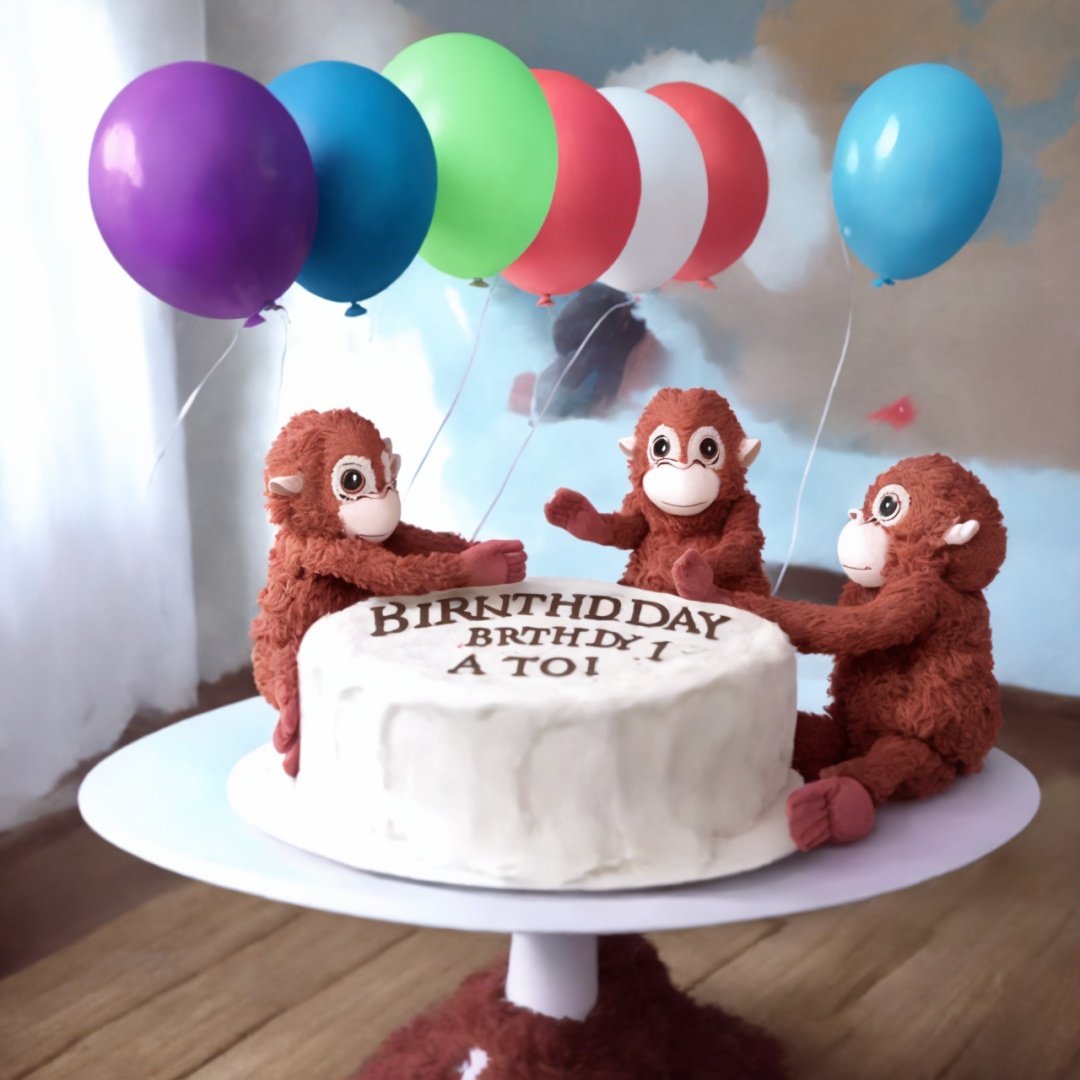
352, 477
663, 443
891, 504
352, 480
706, 446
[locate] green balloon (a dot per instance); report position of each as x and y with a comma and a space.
495, 149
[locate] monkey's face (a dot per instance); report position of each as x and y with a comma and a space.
332, 472
923, 514
863, 546
368, 509
683, 479
688, 451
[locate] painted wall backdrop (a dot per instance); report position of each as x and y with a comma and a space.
985, 349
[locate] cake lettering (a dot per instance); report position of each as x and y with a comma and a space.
470, 663
658, 649
502, 636
395, 617
553, 666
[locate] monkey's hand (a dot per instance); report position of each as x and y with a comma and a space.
571, 511
495, 562
693, 577
837, 809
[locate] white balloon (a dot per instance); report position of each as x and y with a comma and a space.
674, 192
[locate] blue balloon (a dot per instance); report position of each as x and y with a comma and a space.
375, 166
916, 167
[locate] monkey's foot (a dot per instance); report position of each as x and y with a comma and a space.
286, 738
838, 809
693, 578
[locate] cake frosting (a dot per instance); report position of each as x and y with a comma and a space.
552, 734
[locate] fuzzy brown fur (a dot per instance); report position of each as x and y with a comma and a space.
914, 699
727, 534
641, 1028
315, 569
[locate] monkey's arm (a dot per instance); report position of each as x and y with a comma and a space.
895, 616
412, 540
627, 529
374, 568
571, 511
738, 551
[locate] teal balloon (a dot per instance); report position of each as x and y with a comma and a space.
916, 167
375, 167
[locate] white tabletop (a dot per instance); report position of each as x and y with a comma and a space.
163, 799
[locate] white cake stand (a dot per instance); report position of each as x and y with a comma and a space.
163, 800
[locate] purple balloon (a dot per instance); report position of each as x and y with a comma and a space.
203, 188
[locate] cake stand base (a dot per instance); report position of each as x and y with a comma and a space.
641, 1026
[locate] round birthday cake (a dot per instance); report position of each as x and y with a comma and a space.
549, 734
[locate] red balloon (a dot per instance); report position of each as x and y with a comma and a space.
737, 173
597, 192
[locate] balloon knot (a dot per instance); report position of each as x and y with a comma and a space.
355, 309
883, 281
479, 282
705, 283
545, 301
257, 319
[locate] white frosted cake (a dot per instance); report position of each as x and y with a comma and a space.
553, 734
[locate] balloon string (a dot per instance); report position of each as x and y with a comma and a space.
534, 424
281, 364
460, 386
821, 422
186, 407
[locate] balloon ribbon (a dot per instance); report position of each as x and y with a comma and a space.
534, 424
821, 422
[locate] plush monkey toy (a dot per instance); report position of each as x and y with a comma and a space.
688, 461
914, 699
331, 489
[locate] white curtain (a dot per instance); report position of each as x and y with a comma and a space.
96, 600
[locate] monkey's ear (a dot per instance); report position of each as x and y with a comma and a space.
389, 444
748, 450
286, 485
627, 445
395, 464
961, 532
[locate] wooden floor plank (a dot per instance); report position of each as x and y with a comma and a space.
692, 957
63, 999
55, 893
176, 1031
330, 1034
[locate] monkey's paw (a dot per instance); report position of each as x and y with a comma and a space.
286, 738
571, 511
693, 579
838, 809
495, 562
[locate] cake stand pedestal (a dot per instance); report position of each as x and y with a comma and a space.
163, 800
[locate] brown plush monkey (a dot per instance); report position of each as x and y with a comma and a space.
688, 461
331, 488
914, 699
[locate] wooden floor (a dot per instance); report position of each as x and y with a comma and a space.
116, 970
